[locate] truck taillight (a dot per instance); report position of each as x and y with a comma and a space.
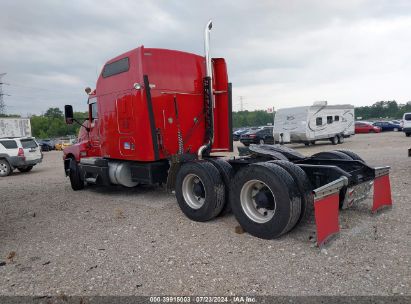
20, 153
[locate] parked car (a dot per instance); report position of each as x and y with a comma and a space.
396, 122
46, 144
387, 126
406, 124
238, 133
18, 153
63, 143
365, 127
262, 135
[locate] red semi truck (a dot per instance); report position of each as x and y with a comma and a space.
156, 116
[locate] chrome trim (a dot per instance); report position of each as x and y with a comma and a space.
209, 73
330, 188
207, 30
200, 151
380, 171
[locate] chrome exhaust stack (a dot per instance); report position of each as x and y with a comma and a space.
207, 30
209, 74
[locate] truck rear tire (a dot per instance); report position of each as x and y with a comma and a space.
304, 186
200, 190
331, 155
227, 175
77, 183
265, 200
5, 168
351, 154
25, 169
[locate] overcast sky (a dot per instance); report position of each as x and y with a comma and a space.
279, 53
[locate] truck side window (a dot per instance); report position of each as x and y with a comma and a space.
116, 67
336, 118
94, 111
319, 121
329, 119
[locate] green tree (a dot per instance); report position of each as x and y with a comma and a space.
252, 118
54, 113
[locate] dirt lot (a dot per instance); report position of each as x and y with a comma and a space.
121, 241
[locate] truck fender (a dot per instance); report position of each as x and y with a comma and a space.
172, 175
67, 161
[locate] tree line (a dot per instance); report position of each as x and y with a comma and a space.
51, 124
383, 110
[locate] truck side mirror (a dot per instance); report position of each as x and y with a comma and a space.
68, 114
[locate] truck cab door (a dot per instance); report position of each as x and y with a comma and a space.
126, 123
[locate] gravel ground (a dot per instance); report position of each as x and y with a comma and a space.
117, 241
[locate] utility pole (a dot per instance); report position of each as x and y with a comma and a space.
241, 103
2, 104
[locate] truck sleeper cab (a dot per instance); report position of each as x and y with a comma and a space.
156, 116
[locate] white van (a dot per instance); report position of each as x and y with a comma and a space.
309, 124
406, 124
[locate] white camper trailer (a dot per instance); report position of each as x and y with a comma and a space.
312, 123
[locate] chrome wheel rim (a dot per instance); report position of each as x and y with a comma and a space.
249, 204
193, 191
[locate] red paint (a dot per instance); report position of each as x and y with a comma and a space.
326, 217
122, 130
382, 193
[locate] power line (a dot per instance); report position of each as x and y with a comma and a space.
43, 89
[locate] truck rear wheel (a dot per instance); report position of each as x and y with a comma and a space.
5, 168
331, 155
304, 186
265, 200
200, 191
351, 154
77, 183
227, 175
